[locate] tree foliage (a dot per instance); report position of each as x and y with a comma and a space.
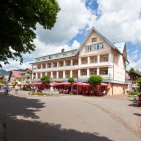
131, 70
95, 79
18, 24
45, 79
71, 79
139, 82
2, 81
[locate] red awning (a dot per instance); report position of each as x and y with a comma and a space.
66, 83
104, 84
55, 84
35, 84
81, 84
60, 84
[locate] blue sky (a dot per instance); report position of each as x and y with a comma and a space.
118, 21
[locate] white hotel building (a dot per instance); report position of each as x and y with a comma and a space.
96, 55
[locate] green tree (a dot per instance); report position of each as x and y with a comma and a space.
131, 70
94, 80
139, 82
2, 81
19, 19
45, 79
71, 80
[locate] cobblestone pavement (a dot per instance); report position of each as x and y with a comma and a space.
70, 118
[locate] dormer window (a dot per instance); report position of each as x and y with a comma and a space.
94, 39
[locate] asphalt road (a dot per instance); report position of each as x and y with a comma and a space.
69, 118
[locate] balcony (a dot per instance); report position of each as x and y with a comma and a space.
93, 59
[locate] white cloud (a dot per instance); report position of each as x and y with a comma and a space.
15, 65
73, 17
120, 20
41, 50
135, 60
136, 65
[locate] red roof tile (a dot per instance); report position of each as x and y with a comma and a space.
16, 74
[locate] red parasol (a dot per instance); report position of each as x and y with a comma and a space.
81, 84
104, 84
35, 84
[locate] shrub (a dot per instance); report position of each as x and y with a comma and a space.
45, 79
133, 93
71, 79
95, 79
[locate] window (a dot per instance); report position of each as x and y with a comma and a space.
94, 47
39, 66
95, 60
95, 72
38, 75
97, 46
94, 39
104, 71
49, 57
100, 46
83, 72
104, 59
44, 66
28, 77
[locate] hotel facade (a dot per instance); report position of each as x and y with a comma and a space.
95, 56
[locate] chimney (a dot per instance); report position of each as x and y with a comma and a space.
62, 50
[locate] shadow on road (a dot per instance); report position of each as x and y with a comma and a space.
37, 131
19, 129
12, 106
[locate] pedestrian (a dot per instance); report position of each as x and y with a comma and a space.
6, 90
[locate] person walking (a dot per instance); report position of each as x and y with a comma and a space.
6, 90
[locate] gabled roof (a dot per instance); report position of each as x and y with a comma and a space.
16, 74
120, 47
105, 39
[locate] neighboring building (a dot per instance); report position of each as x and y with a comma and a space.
21, 76
15, 76
133, 76
96, 55
26, 76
